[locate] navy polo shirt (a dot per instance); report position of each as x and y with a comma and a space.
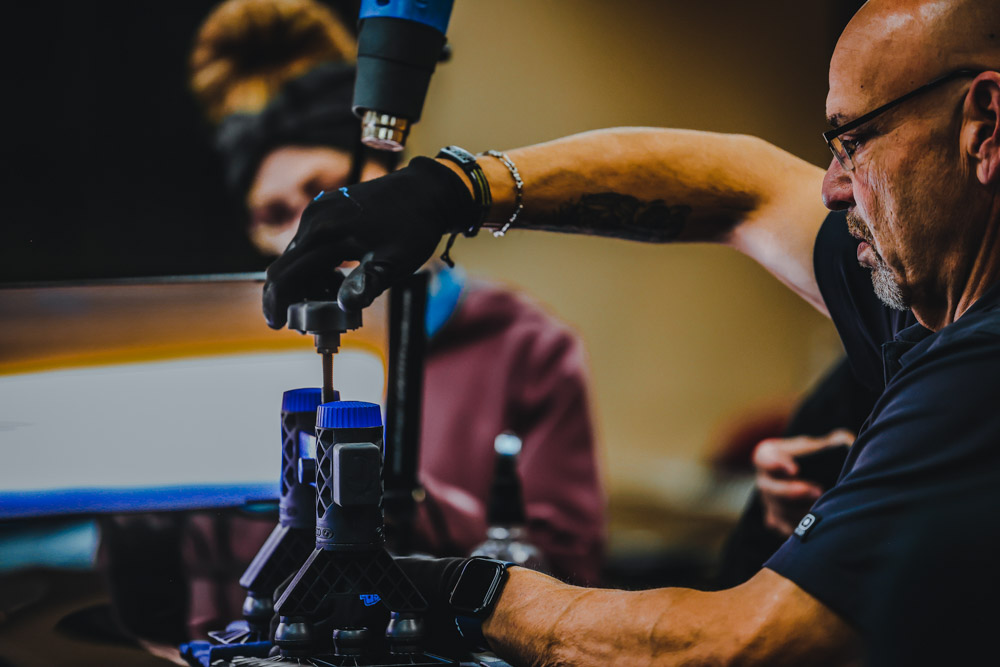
908, 540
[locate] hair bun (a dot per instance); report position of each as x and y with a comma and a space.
246, 50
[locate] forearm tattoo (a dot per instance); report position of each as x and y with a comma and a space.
616, 215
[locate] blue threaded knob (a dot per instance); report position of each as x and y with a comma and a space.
348, 414
301, 400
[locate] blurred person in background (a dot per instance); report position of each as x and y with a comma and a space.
825, 420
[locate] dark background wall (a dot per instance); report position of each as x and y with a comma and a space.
109, 166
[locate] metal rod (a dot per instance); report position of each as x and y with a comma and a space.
328, 394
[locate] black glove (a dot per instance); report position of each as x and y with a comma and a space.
435, 578
392, 224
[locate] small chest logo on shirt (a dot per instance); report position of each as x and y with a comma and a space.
808, 522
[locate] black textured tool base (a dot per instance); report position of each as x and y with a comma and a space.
414, 660
327, 574
282, 554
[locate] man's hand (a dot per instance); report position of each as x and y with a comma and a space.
435, 578
391, 224
768, 620
786, 496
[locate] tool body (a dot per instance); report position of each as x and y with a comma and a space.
337, 604
399, 45
292, 539
324, 573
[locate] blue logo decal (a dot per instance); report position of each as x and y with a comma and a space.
370, 599
321, 193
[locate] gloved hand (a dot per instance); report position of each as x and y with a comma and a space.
392, 224
435, 578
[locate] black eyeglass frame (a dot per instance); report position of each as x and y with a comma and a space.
847, 159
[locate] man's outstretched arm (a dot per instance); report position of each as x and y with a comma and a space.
663, 185
644, 184
769, 620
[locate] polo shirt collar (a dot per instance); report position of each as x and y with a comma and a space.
902, 349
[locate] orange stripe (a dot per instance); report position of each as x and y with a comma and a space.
148, 353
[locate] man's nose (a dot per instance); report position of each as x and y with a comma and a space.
838, 191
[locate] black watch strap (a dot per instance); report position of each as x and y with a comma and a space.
471, 631
481, 579
480, 187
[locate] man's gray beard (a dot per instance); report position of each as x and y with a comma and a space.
887, 289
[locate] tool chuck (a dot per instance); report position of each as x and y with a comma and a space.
325, 321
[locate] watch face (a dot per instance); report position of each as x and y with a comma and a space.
477, 585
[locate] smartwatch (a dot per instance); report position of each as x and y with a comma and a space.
475, 594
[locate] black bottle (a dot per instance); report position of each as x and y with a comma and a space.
507, 535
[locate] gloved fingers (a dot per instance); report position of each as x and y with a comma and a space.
433, 577
309, 275
296, 257
321, 243
331, 213
275, 312
365, 283
377, 272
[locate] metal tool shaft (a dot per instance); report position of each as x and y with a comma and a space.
328, 394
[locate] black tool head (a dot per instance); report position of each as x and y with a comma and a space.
319, 317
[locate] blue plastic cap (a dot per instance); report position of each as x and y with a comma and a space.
435, 13
348, 414
301, 400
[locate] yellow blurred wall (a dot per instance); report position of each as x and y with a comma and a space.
681, 339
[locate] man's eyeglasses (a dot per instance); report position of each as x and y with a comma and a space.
843, 151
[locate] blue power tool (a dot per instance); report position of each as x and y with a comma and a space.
399, 44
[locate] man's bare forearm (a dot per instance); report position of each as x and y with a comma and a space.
618, 216
661, 185
650, 184
767, 621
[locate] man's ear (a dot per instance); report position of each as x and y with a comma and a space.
981, 131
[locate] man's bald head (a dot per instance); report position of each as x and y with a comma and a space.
892, 46
922, 183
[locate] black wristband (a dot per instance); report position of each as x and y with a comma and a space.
480, 187
471, 631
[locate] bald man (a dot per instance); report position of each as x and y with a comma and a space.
897, 554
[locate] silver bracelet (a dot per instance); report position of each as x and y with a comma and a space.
518, 190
